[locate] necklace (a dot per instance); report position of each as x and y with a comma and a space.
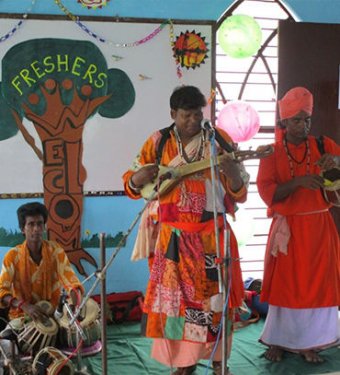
291, 158
199, 150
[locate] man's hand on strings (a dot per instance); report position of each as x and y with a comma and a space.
145, 175
230, 168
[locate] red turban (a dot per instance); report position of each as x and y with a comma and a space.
296, 100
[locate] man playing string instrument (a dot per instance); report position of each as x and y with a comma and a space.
302, 262
182, 308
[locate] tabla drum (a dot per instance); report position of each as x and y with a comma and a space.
36, 335
51, 361
331, 188
89, 322
46, 306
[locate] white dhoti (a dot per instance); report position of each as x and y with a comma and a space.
301, 329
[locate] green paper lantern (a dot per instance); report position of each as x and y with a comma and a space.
240, 36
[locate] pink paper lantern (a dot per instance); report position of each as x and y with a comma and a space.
239, 120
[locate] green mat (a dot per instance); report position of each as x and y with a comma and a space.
129, 354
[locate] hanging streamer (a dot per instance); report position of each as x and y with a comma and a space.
103, 40
18, 25
172, 44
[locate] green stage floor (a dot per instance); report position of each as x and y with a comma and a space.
128, 354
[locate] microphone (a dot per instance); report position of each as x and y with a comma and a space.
59, 312
206, 125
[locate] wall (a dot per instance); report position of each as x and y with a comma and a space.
123, 274
109, 144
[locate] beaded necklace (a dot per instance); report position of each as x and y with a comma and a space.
291, 157
199, 151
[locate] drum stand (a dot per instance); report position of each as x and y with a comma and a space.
81, 368
8, 360
11, 359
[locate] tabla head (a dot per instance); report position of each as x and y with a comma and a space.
331, 188
52, 361
332, 178
88, 314
47, 325
46, 306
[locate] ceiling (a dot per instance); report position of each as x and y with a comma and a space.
324, 11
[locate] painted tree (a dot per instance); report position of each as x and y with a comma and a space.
57, 84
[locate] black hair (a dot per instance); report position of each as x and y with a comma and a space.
187, 97
31, 209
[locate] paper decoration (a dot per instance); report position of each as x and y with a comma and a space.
104, 40
239, 120
172, 44
142, 77
15, 28
93, 4
240, 36
190, 49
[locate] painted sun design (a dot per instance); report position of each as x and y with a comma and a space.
190, 49
93, 3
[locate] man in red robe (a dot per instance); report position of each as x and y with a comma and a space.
302, 262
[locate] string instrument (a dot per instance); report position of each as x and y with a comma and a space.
168, 177
331, 188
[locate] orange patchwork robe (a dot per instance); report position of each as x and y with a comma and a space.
308, 276
182, 300
22, 278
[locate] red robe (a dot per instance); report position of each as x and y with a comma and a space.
309, 275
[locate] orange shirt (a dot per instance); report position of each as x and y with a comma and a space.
20, 275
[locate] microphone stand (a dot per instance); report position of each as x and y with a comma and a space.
103, 305
222, 273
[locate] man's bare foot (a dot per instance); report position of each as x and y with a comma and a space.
311, 356
185, 370
217, 367
274, 354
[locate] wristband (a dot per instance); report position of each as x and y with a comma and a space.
20, 304
10, 301
133, 186
235, 194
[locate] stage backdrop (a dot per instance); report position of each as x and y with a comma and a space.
77, 101
309, 56
109, 143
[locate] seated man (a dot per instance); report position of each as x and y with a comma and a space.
35, 270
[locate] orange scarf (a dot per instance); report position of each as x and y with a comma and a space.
25, 272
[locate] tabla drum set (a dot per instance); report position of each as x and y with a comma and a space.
39, 347
331, 188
